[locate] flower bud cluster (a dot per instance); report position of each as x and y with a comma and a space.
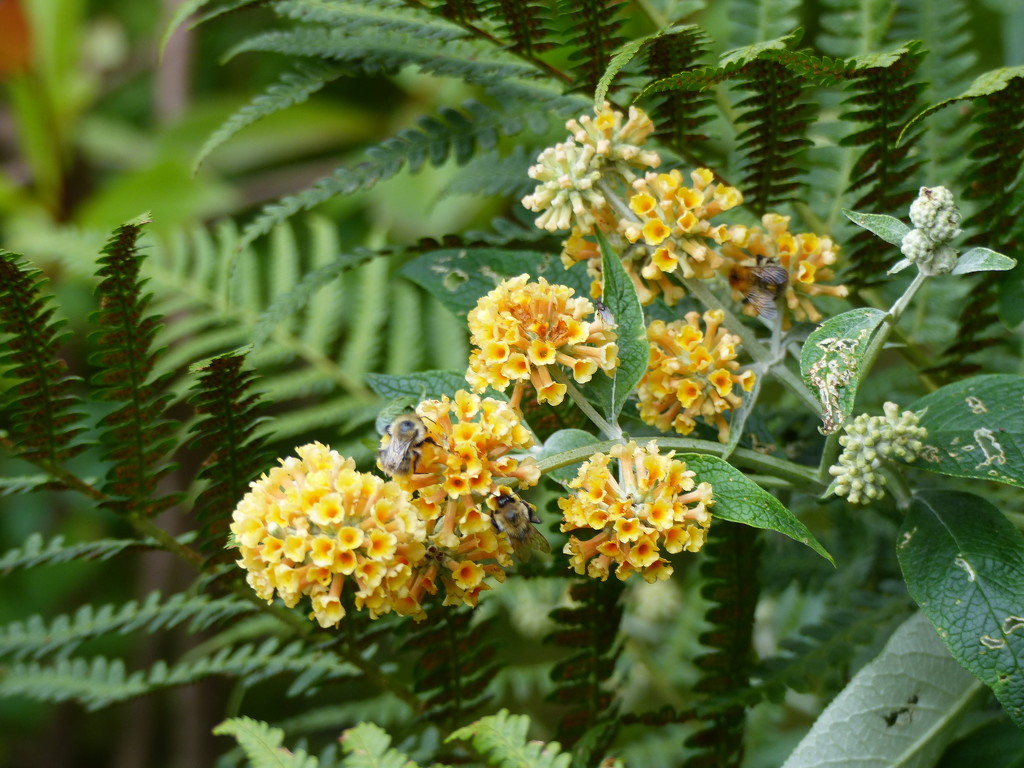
870, 440
937, 221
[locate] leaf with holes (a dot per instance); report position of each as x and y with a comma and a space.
741, 500
831, 362
458, 277
964, 565
975, 428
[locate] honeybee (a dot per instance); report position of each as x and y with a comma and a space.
760, 284
405, 435
515, 518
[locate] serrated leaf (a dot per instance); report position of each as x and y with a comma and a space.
368, 746
566, 444
964, 565
421, 385
984, 84
741, 500
619, 295
262, 744
831, 362
890, 229
503, 738
459, 277
899, 711
975, 428
625, 54
982, 260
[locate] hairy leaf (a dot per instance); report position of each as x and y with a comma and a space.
964, 565
975, 429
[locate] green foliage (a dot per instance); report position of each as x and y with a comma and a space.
262, 744
964, 565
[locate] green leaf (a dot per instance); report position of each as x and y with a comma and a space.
741, 500
831, 362
619, 295
964, 565
751, 52
899, 711
565, 450
367, 746
262, 744
886, 227
421, 385
985, 84
975, 428
459, 277
503, 738
982, 260
625, 54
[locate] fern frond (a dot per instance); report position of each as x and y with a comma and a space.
36, 551
36, 636
434, 140
775, 135
996, 173
757, 20
590, 629
678, 115
502, 737
229, 413
730, 569
886, 98
293, 88
41, 414
369, 746
593, 31
523, 23
455, 665
371, 16
854, 27
99, 682
262, 744
383, 709
136, 436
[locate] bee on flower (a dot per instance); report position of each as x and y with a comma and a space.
692, 373
652, 503
806, 257
522, 330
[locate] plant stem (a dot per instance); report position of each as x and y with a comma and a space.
609, 430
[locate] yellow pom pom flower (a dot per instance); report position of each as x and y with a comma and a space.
522, 328
692, 373
465, 460
654, 504
314, 523
806, 256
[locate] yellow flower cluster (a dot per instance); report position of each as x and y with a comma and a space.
806, 256
521, 329
655, 503
692, 373
669, 231
570, 172
310, 524
313, 523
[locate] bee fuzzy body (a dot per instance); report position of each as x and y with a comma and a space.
760, 284
398, 455
515, 518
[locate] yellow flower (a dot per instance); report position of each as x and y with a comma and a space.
692, 374
654, 502
806, 256
537, 325
314, 523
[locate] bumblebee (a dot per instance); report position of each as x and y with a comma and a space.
515, 518
400, 445
760, 284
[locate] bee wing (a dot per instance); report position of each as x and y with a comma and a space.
525, 546
763, 302
773, 274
